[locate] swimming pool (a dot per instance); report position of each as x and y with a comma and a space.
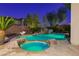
55, 36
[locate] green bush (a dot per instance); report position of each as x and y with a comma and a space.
35, 30
60, 29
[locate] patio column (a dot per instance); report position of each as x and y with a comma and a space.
75, 24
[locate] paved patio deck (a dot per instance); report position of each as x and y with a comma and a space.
61, 49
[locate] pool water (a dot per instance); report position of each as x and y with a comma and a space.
39, 45
55, 36
34, 46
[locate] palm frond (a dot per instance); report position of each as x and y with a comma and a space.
5, 22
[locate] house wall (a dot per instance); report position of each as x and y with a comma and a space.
75, 24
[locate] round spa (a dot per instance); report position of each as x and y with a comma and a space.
34, 46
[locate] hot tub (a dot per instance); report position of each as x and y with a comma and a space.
34, 46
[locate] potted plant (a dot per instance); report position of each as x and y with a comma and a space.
5, 23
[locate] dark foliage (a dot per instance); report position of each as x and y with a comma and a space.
68, 5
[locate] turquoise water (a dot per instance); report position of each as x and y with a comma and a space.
34, 46
39, 46
56, 36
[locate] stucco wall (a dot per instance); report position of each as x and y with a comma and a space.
75, 23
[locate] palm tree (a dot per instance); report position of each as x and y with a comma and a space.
45, 21
31, 21
5, 23
68, 5
61, 14
52, 18
56, 18
35, 21
28, 20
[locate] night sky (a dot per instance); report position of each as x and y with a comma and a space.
20, 10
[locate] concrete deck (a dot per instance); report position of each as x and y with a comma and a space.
61, 49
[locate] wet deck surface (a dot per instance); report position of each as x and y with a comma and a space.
60, 49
